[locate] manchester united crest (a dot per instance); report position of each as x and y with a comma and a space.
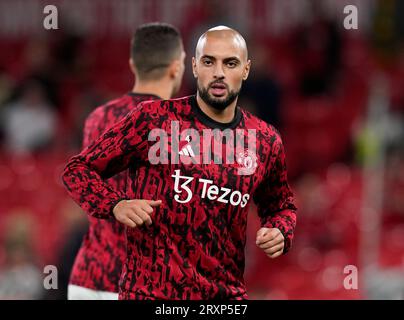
247, 162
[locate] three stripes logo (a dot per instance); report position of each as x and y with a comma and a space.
185, 148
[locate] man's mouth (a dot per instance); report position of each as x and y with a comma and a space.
218, 89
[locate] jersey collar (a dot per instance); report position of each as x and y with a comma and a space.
206, 120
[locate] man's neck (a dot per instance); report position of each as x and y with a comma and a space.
224, 116
157, 88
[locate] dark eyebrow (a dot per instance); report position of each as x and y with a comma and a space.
232, 58
209, 57
224, 60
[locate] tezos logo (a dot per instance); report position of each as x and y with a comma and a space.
209, 190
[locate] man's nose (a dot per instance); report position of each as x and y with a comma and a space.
219, 72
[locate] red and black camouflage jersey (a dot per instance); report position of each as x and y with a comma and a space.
206, 173
98, 264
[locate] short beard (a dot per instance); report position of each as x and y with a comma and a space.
214, 102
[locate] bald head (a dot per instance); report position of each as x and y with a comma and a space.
225, 34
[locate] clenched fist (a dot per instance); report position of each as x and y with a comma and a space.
134, 213
271, 240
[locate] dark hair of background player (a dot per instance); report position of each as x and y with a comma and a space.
153, 47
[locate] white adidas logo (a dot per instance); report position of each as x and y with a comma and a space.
186, 150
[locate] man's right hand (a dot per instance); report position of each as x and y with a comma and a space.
134, 213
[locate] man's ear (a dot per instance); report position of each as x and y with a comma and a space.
174, 68
132, 66
194, 67
246, 71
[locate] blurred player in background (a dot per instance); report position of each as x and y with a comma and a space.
188, 243
157, 61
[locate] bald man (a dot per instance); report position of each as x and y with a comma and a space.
200, 161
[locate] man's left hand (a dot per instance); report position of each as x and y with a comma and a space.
270, 240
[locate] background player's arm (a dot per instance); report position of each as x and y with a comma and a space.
110, 154
275, 205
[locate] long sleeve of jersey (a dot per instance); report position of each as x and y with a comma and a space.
85, 174
93, 128
274, 198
